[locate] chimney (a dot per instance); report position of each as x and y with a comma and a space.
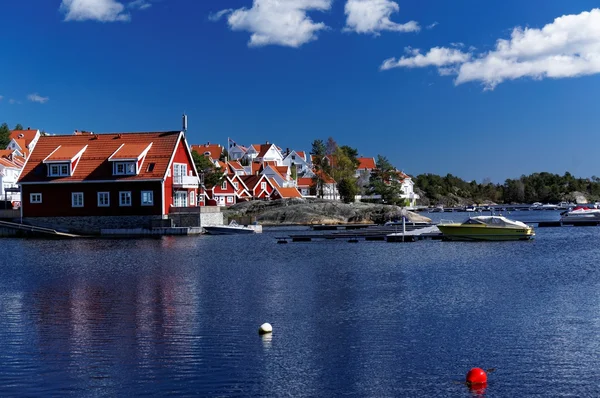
28, 128
267, 142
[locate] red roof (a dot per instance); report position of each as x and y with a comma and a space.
235, 165
285, 192
64, 153
130, 152
212, 150
26, 135
301, 154
305, 182
94, 164
366, 163
264, 148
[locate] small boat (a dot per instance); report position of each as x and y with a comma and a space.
232, 229
581, 214
491, 228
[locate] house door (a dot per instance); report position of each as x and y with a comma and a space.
181, 199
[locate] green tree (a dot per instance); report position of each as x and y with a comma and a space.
212, 175
224, 155
19, 126
4, 135
320, 166
384, 181
348, 189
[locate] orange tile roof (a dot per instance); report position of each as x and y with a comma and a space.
288, 192
94, 164
130, 151
235, 165
213, 150
305, 182
64, 153
366, 163
21, 143
301, 154
325, 177
283, 170
26, 135
264, 148
256, 167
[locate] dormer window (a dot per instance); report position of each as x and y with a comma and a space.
59, 170
124, 168
63, 161
128, 159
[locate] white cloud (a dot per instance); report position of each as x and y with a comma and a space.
433, 25
278, 22
218, 15
373, 16
437, 56
568, 47
35, 97
1, 97
139, 4
13, 101
95, 10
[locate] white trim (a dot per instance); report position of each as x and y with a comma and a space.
118, 149
151, 203
87, 182
121, 197
168, 171
76, 156
162, 198
73, 196
31, 195
44, 161
98, 199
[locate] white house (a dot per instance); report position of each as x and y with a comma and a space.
23, 141
10, 169
298, 160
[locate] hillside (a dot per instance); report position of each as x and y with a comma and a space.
317, 211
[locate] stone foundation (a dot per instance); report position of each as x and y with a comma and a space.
92, 225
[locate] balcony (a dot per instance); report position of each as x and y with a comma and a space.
185, 182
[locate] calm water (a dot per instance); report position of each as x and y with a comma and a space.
179, 316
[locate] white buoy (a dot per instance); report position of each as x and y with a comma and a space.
265, 328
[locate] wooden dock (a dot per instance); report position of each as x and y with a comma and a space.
373, 233
10, 229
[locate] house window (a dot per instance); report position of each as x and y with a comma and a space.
58, 170
224, 185
35, 198
230, 199
179, 169
263, 185
293, 157
77, 199
151, 167
192, 199
125, 198
103, 199
235, 185
147, 198
124, 168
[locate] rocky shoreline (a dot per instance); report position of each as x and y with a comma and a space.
317, 212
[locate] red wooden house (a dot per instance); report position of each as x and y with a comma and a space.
128, 174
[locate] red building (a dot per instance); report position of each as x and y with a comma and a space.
109, 175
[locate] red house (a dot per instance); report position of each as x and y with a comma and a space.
142, 176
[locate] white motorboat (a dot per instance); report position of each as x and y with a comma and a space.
581, 214
232, 229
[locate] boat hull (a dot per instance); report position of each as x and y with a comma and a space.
484, 233
226, 230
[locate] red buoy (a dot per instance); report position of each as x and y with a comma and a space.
476, 376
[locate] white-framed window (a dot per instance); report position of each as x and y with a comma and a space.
235, 185
59, 170
192, 199
77, 199
103, 199
125, 198
263, 185
230, 199
124, 168
35, 198
147, 198
224, 185
179, 169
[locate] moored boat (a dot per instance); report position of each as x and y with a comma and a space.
581, 214
489, 228
232, 229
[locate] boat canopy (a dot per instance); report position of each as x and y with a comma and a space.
496, 221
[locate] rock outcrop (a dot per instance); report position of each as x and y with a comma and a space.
318, 211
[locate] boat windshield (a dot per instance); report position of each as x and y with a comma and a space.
495, 221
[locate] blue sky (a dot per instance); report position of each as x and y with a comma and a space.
361, 71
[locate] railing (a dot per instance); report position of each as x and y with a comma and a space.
186, 180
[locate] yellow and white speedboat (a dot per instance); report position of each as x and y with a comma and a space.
491, 228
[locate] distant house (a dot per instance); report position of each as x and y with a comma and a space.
284, 192
119, 180
365, 167
297, 160
281, 174
10, 168
259, 186
269, 152
224, 194
23, 141
307, 187
212, 151
237, 152
408, 189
